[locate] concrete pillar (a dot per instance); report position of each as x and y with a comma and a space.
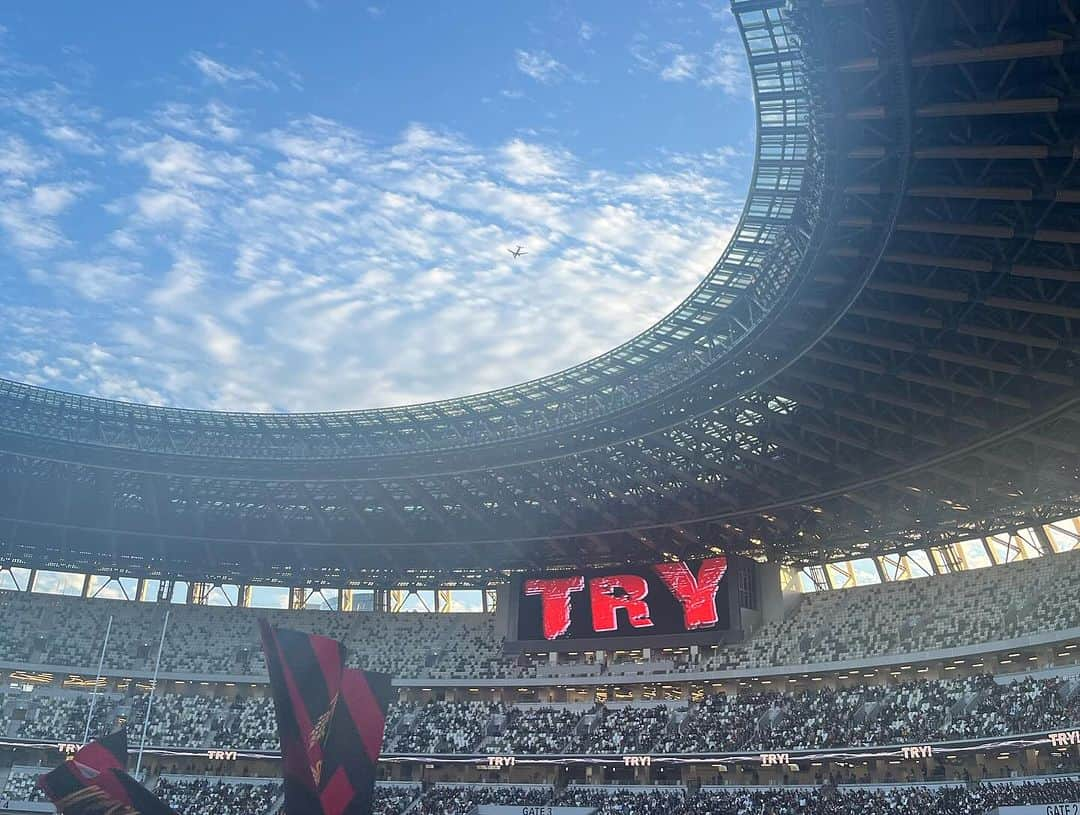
770, 593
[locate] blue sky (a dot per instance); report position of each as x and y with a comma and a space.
305, 205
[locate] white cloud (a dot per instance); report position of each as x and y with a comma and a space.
541, 66
305, 266
682, 67
26, 230
19, 159
59, 118
73, 138
220, 73
726, 69
213, 121
723, 66
222, 344
180, 285
172, 162
418, 138
93, 280
527, 163
386, 281
162, 207
52, 199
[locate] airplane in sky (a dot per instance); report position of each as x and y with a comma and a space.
517, 252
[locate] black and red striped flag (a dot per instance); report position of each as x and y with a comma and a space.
353, 743
93, 782
107, 753
86, 777
330, 723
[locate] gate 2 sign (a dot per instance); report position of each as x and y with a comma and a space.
666, 598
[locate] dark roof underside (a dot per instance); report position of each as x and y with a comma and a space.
885, 357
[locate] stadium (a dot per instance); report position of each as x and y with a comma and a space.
860, 431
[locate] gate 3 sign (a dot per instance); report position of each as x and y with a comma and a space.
666, 598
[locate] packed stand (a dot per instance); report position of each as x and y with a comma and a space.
250, 724
825, 800
439, 727
218, 796
902, 800
861, 715
1014, 600
905, 713
208, 640
536, 731
453, 799
629, 729
912, 616
178, 721
22, 786
393, 799
63, 717
626, 800
718, 724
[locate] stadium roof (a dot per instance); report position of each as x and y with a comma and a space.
885, 357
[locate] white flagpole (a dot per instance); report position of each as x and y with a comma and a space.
97, 683
153, 690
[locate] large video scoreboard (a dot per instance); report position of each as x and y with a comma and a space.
677, 602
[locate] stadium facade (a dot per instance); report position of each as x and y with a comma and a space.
881, 365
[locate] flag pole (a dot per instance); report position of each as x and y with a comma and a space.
97, 681
153, 689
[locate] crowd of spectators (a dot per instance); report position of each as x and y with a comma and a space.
393, 799
461, 798
215, 640
963, 799
913, 616
959, 799
62, 717
536, 730
873, 714
250, 722
231, 796
1022, 598
21, 785
626, 729
439, 727
627, 801
218, 795
177, 720
901, 713
190, 794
